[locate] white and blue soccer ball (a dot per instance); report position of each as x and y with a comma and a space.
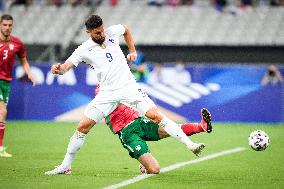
258, 140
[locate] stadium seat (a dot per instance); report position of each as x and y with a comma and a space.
182, 25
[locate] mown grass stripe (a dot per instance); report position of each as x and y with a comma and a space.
176, 166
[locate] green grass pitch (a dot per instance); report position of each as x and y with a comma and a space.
39, 146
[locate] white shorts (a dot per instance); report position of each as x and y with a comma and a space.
107, 101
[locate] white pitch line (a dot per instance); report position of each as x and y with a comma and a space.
175, 166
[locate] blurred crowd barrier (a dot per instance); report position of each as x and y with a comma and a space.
232, 92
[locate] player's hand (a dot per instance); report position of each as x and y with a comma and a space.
56, 69
132, 56
33, 79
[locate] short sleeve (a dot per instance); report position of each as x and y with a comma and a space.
75, 58
22, 51
116, 30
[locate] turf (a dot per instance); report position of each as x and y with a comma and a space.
39, 146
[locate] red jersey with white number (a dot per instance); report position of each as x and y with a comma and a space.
120, 117
8, 52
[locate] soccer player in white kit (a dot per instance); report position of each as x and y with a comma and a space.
117, 85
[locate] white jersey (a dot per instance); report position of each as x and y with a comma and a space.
109, 63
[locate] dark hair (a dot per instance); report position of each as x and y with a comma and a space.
94, 21
271, 73
6, 17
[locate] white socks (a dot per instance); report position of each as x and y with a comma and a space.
76, 142
175, 131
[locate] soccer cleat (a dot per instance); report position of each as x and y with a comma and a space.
206, 120
142, 169
4, 154
59, 171
197, 148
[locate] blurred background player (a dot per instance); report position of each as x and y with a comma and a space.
133, 131
272, 76
10, 46
139, 67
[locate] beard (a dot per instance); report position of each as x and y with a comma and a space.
5, 33
99, 41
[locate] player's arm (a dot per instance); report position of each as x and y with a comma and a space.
279, 76
61, 69
265, 79
26, 67
130, 43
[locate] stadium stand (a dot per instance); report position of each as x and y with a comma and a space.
48, 24
196, 25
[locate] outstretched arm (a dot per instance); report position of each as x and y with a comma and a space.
26, 67
130, 43
61, 69
279, 76
265, 79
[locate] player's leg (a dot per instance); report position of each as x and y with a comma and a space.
191, 128
4, 96
133, 138
76, 142
98, 108
139, 100
194, 128
174, 130
91, 116
149, 163
3, 114
188, 128
148, 131
162, 132
139, 150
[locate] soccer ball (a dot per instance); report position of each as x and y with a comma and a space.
258, 140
